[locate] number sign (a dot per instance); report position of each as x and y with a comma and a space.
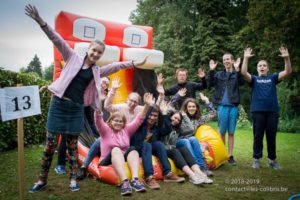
19, 102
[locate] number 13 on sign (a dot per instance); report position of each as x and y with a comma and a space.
19, 102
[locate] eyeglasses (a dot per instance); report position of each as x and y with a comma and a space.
133, 101
118, 121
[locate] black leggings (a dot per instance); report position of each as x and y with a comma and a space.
181, 157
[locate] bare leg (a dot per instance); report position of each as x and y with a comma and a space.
230, 144
118, 162
134, 164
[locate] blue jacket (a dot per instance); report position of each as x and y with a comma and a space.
158, 131
219, 81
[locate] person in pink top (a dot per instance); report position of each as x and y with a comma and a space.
75, 88
115, 147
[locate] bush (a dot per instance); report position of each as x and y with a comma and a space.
34, 127
243, 121
289, 125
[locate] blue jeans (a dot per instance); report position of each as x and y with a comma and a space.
193, 146
93, 152
158, 149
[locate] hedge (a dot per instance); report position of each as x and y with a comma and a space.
34, 127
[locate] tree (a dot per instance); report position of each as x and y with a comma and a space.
35, 66
48, 73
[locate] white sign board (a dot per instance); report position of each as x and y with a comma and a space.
19, 102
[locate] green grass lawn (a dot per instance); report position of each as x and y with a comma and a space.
230, 182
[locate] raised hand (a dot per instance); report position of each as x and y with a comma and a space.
149, 99
160, 89
204, 98
182, 92
115, 84
160, 79
32, 12
141, 62
283, 52
212, 64
248, 53
201, 73
236, 64
163, 106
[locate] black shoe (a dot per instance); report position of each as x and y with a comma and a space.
231, 160
81, 174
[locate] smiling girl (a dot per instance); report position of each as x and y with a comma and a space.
115, 147
75, 88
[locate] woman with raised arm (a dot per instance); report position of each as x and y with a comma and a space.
75, 88
264, 105
192, 119
115, 148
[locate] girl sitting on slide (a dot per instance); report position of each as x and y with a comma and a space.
115, 148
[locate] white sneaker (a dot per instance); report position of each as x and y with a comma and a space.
256, 163
204, 178
274, 164
208, 181
195, 180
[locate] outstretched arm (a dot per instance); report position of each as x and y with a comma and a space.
287, 63
116, 66
32, 12
148, 100
247, 54
65, 50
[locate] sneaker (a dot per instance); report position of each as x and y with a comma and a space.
81, 174
196, 180
256, 163
231, 161
137, 185
74, 187
204, 179
60, 169
172, 177
151, 183
208, 173
126, 188
274, 164
208, 180
37, 187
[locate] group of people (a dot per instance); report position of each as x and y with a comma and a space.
161, 128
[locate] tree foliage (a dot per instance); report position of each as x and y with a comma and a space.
48, 73
34, 66
191, 32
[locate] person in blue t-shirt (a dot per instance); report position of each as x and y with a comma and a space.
264, 105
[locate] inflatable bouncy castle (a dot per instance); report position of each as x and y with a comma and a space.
125, 42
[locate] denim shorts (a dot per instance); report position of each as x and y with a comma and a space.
227, 118
65, 117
